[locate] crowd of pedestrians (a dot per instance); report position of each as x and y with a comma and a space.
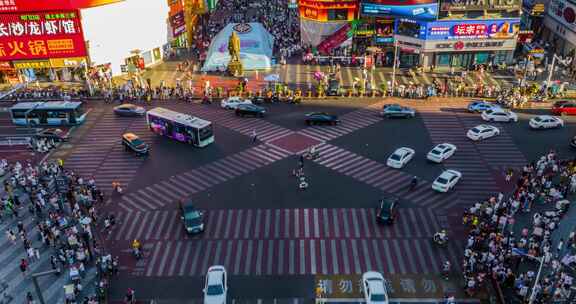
496, 248
61, 208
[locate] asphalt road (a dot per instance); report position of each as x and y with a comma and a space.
274, 238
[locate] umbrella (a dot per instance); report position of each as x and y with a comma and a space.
272, 78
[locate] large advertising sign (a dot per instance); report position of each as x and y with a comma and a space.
319, 10
52, 34
415, 9
472, 29
475, 5
178, 24
563, 12
47, 5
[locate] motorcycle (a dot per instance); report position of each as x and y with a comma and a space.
440, 238
137, 253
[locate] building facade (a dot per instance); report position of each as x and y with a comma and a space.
320, 19
560, 26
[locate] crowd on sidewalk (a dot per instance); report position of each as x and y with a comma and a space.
58, 230
494, 249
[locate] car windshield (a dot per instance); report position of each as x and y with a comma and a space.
377, 297
137, 142
475, 130
538, 119
191, 215
489, 112
395, 157
436, 152
441, 180
214, 290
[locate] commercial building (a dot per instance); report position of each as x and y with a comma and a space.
466, 32
324, 20
560, 26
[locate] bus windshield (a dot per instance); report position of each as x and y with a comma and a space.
206, 132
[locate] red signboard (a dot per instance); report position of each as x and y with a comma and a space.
49, 5
52, 34
469, 29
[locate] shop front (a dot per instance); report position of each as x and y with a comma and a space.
462, 43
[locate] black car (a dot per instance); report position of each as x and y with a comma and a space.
250, 109
333, 87
321, 118
386, 212
192, 218
129, 109
54, 134
132, 142
258, 100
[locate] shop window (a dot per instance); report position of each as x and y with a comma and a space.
481, 58
338, 14
442, 59
500, 57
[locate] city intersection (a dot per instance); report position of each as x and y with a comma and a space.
266, 231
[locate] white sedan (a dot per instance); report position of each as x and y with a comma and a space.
446, 181
374, 288
499, 114
231, 103
216, 286
546, 122
441, 152
482, 132
400, 157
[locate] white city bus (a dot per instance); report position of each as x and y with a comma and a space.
181, 127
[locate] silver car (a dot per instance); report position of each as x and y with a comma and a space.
396, 110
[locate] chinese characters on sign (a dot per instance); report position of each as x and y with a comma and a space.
41, 35
470, 29
466, 5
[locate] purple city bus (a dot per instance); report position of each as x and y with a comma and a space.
180, 127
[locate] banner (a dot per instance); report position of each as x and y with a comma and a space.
564, 12
49, 5
53, 34
478, 5
414, 9
178, 24
72, 62
472, 29
37, 64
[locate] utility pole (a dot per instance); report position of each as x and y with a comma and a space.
533, 294
394, 66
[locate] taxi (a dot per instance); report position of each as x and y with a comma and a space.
132, 142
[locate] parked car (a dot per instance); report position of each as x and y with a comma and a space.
482, 132
374, 288
231, 103
441, 152
216, 285
321, 118
192, 218
54, 134
128, 109
546, 122
133, 143
499, 115
396, 110
400, 157
387, 210
564, 107
479, 106
446, 181
249, 109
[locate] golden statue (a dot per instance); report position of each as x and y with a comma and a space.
234, 66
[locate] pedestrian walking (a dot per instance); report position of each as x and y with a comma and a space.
559, 247
23, 266
254, 136
30, 298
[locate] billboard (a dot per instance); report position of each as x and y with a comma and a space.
47, 5
478, 5
564, 12
51, 34
473, 29
414, 9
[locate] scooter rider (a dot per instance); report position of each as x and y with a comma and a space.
441, 237
136, 248
414, 182
446, 267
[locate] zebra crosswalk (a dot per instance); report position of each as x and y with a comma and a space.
477, 179
304, 223
257, 257
266, 131
500, 150
382, 177
193, 181
349, 123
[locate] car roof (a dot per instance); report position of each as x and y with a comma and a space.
215, 275
376, 285
447, 173
546, 117
403, 150
126, 105
130, 136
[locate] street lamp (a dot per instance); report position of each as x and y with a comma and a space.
539, 259
394, 65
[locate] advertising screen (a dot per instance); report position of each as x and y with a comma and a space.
52, 34
415, 9
47, 5
473, 29
475, 5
